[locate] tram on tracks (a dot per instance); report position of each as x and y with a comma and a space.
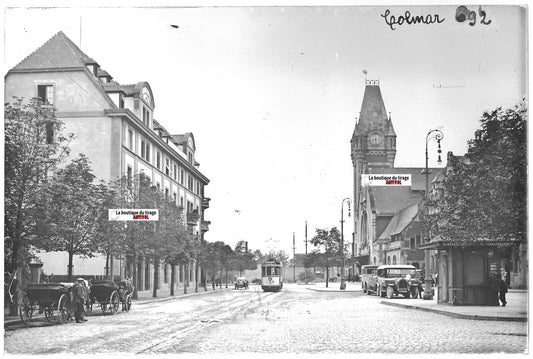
271, 276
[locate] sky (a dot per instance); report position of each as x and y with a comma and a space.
272, 93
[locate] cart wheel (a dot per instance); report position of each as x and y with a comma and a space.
114, 303
25, 310
49, 313
62, 310
128, 303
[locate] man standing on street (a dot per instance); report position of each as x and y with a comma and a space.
503, 290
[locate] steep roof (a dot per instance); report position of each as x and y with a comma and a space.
373, 114
401, 219
57, 53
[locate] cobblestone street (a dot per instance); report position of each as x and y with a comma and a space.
295, 320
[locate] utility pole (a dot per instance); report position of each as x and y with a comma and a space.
305, 267
294, 256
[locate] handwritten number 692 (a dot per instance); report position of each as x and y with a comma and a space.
462, 14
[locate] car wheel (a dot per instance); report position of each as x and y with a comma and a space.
390, 292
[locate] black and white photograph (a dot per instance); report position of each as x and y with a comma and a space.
257, 179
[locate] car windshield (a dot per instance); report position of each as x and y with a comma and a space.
400, 272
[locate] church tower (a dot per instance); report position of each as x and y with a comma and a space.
373, 142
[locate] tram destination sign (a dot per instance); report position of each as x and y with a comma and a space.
130, 214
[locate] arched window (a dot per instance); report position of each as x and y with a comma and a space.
374, 260
394, 259
388, 259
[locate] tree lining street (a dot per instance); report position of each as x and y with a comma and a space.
295, 320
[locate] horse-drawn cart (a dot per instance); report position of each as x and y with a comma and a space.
105, 293
52, 298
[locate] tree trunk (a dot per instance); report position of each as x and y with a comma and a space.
226, 277
327, 272
156, 276
172, 278
13, 307
204, 278
70, 258
186, 278
107, 266
134, 260
196, 276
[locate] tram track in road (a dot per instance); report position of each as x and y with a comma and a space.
230, 313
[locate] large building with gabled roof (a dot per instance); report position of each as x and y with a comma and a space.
387, 218
114, 126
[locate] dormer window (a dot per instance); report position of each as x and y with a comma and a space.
146, 116
92, 69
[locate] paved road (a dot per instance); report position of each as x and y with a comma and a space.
295, 320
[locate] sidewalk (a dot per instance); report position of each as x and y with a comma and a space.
516, 309
143, 298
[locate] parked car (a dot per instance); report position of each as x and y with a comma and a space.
369, 279
393, 280
241, 282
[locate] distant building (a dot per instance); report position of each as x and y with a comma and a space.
115, 128
387, 218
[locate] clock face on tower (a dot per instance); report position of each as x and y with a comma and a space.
375, 139
146, 95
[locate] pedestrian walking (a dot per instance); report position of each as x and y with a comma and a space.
503, 290
494, 288
78, 298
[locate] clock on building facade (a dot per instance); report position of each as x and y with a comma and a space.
375, 139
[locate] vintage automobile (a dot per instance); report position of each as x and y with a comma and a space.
241, 282
368, 279
393, 280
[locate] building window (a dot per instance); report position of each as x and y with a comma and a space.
190, 158
129, 175
175, 172
413, 243
120, 101
167, 166
46, 93
166, 193
175, 197
146, 116
417, 241
145, 150
190, 184
158, 160
130, 139
182, 175
181, 202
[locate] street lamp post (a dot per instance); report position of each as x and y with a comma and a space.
437, 135
343, 282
